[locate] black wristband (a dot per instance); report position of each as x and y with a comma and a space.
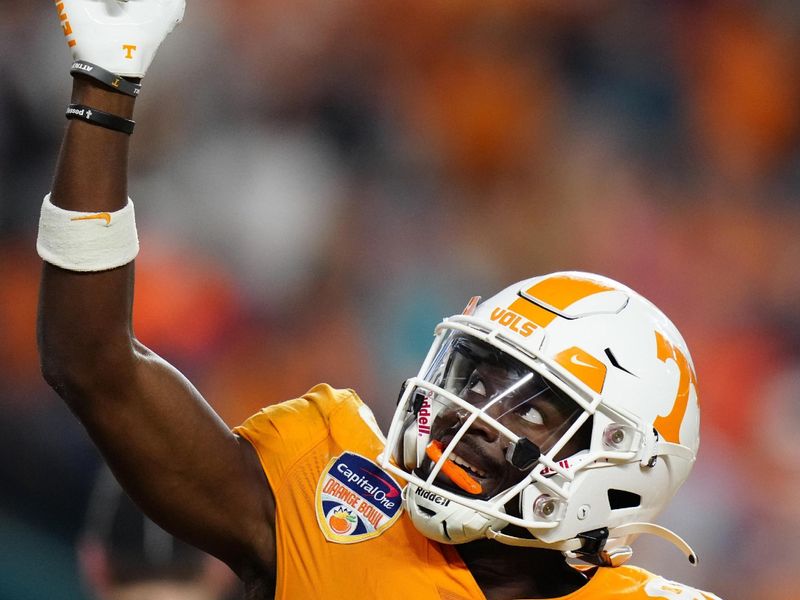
98, 117
107, 78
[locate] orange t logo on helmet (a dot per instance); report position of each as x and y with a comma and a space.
669, 426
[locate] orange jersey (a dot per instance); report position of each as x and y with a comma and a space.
340, 530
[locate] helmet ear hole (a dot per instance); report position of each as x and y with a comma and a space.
618, 499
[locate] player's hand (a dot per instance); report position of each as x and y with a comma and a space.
121, 36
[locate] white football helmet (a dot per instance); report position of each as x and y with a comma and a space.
561, 413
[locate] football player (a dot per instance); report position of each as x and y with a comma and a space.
548, 425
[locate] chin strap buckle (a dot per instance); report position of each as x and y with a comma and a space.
594, 551
592, 543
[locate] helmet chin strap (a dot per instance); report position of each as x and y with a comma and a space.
611, 558
659, 531
570, 545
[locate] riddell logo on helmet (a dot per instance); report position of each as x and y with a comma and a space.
435, 498
65, 26
516, 323
424, 418
547, 471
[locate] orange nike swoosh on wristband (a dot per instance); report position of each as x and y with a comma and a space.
103, 215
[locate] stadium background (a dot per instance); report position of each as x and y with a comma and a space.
318, 183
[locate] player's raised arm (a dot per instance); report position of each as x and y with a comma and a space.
165, 444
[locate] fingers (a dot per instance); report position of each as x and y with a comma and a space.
122, 36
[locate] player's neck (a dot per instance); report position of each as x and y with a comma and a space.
506, 572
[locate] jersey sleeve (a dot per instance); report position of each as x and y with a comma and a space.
283, 433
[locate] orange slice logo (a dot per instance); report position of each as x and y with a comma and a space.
342, 521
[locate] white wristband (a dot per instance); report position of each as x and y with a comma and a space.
86, 241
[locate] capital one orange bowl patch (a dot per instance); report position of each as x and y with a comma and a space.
356, 500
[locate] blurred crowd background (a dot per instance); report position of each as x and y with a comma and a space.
319, 182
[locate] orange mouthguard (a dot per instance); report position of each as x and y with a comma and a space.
456, 474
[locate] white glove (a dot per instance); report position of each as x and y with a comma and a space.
121, 36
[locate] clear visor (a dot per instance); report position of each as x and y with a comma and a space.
476, 401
